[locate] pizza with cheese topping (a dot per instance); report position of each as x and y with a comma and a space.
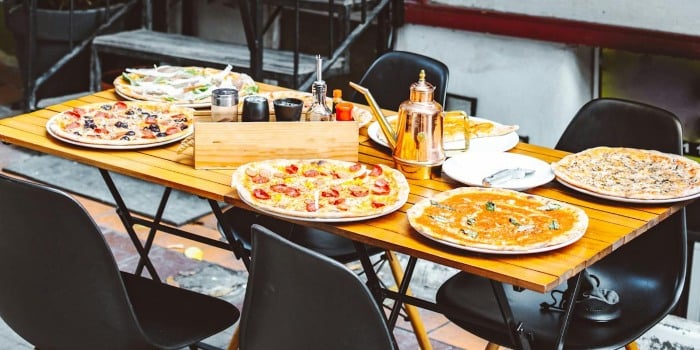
321, 188
497, 220
630, 173
122, 124
190, 86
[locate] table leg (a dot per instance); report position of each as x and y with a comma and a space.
411, 311
566, 318
235, 245
152, 232
128, 222
517, 334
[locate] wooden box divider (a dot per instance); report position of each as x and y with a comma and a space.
229, 144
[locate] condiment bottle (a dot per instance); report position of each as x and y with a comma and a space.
319, 110
343, 111
224, 105
337, 98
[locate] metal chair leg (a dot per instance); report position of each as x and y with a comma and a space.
411, 311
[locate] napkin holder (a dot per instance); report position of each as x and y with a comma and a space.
228, 145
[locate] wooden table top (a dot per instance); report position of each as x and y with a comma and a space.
611, 224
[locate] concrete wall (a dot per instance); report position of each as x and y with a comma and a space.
537, 85
675, 16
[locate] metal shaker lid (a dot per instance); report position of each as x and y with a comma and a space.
225, 97
421, 91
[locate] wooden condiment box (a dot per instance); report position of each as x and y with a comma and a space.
227, 145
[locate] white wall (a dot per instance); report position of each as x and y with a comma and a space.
537, 85
675, 16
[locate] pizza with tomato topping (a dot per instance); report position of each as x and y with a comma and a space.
497, 220
121, 124
321, 188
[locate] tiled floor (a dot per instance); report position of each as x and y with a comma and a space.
168, 252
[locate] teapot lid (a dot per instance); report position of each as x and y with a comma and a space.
422, 91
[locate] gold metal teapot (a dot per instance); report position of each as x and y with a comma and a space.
417, 141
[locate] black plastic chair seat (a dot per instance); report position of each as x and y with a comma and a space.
333, 246
167, 321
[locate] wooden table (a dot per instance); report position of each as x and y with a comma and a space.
611, 224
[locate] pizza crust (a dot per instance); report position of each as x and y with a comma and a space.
500, 230
630, 173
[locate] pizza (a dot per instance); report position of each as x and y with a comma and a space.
122, 123
498, 220
630, 173
479, 127
180, 85
453, 129
321, 188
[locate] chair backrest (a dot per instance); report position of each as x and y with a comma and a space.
299, 299
390, 76
621, 123
62, 289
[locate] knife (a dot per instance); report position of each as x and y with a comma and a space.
506, 175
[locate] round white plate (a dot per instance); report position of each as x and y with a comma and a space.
471, 168
480, 144
627, 200
114, 147
504, 252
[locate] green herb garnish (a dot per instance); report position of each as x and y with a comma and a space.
440, 205
469, 233
439, 219
514, 222
490, 206
554, 225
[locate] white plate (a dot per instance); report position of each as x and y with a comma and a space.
505, 252
114, 147
627, 200
471, 167
480, 144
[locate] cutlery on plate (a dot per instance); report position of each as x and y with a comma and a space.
505, 175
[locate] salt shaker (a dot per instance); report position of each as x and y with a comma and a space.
224, 105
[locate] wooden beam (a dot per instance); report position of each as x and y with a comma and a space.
553, 29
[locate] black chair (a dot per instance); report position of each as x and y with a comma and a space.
648, 273
390, 76
63, 289
299, 299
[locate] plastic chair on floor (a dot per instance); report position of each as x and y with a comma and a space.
65, 291
648, 273
297, 298
390, 76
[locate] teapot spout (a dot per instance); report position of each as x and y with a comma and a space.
378, 115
